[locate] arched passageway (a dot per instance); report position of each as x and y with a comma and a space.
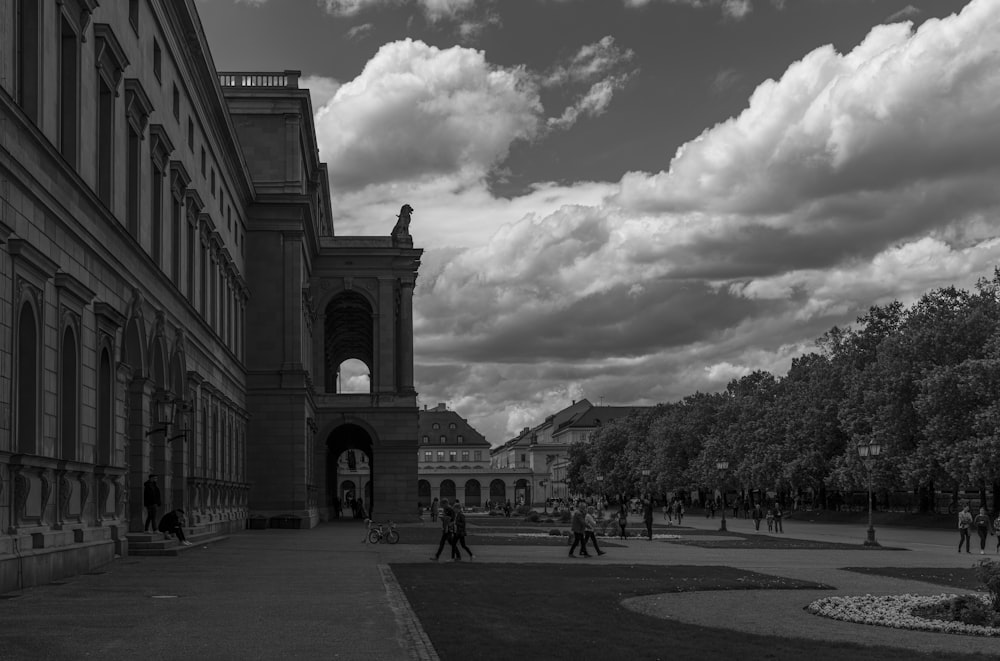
350, 471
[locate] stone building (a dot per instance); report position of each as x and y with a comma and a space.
173, 297
542, 451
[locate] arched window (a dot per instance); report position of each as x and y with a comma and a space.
26, 387
105, 404
68, 395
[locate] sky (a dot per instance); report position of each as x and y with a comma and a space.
635, 200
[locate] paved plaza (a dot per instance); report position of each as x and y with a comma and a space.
323, 594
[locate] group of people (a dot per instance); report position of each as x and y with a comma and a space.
674, 511
983, 525
172, 523
773, 514
582, 525
453, 529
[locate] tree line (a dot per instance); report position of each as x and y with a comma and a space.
922, 381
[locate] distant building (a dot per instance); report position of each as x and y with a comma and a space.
543, 451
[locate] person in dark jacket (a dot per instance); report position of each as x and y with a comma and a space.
170, 524
578, 526
460, 531
150, 500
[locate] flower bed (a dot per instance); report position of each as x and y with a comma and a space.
896, 611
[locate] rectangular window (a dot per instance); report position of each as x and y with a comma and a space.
203, 161
177, 103
192, 263
133, 15
156, 215
440, 455
452, 455
176, 220
524, 459
465, 455
105, 140
428, 456
461, 439
204, 282
190, 134
133, 183
157, 61
425, 440
27, 56
69, 86
477, 455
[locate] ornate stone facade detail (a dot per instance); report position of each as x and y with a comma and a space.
21, 488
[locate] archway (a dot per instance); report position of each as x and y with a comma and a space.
349, 460
522, 493
348, 334
472, 494
498, 492
424, 492
447, 490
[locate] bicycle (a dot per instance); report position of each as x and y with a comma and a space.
381, 532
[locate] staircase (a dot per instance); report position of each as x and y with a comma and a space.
157, 543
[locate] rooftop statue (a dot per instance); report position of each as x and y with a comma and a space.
402, 227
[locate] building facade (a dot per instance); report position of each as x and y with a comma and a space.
173, 297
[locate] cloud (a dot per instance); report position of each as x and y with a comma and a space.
901, 107
359, 32
906, 13
734, 9
417, 112
854, 179
321, 89
605, 66
725, 80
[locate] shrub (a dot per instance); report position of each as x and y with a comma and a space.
988, 573
564, 516
965, 608
532, 517
555, 532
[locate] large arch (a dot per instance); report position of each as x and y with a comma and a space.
447, 490
498, 491
473, 497
424, 492
522, 492
344, 437
348, 333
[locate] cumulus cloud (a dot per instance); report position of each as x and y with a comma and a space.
735, 9
901, 107
321, 89
852, 180
417, 112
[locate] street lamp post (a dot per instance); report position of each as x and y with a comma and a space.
600, 490
868, 453
723, 466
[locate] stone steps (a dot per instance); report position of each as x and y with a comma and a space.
157, 543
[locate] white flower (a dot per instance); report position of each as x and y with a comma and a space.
896, 611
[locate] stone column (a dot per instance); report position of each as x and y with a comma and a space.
406, 336
385, 353
140, 397
292, 287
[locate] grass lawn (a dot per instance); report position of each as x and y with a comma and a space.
573, 612
735, 540
961, 578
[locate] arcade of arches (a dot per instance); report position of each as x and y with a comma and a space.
474, 491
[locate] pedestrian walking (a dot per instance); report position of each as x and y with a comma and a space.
758, 514
678, 511
647, 516
434, 510
447, 531
770, 519
622, 523
460, 532
150, 500
964, 523
778, 516
578, 526
590, 524
982, 523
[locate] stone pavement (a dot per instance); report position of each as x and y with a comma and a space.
323, 594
